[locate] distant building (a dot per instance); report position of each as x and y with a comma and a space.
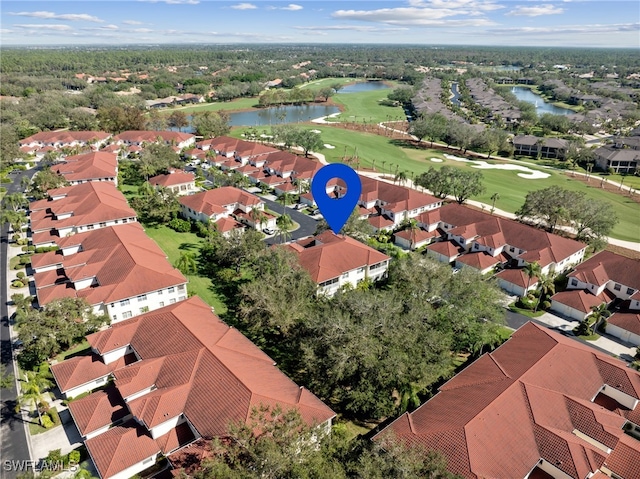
535, 146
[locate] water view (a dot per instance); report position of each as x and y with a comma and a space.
280, 114
542, 107
364, 86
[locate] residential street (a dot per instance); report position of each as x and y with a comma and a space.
13, 440
307, 224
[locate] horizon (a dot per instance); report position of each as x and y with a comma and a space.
478, 23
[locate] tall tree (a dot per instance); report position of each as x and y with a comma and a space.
532, 270
598, 315
187, 263
178, 119
33, 386
309, 141
285, 225
45, 180
211, 124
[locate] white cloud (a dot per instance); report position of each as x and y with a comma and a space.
535, 11
132, 22
74, 17
353, 28
57, 28
244, 6
570, 29
141, 30
292, 7
432, 17
4, 31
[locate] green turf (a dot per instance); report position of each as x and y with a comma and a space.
173, 243
364, 106
513, 189
324, 82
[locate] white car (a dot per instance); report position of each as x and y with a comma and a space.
268, 231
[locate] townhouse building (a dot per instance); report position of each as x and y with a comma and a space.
95, 166
178, 181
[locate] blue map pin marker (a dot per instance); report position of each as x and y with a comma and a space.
336, 210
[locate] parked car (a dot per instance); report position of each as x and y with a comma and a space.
268, 231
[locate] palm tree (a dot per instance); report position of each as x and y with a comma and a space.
146, 189
15, 201
15, 219
258, 216
494, 198
599, 314
531, 269
33, 386
187, 263
6, 380
401, 177
284, 224
546, 288
383, 163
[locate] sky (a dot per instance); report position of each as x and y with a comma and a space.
560, 23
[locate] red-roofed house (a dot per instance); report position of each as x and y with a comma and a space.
191, 378
76, 209
541, 405
511, 243
335, 260
219, 203
67, 138
139, 138
119, 270
392, 203
604, 277
178, 181
95, 166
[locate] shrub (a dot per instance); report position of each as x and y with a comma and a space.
24, 248
200, 229
16, 237
179, 225
47, 423
17, 284
22, 241
46, 249
74, 457
25, 259
21, 275
31, 248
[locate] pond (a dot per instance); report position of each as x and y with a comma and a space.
282, 114
364, 86
542, 107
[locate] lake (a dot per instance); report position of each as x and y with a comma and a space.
364, 86
281, 114
525, 94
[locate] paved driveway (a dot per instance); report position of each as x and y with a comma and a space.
307, 224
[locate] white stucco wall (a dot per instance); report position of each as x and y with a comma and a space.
623, 334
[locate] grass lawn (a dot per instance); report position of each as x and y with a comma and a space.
71, 351
627, 180
237, 104
525, 312
364, 106
504, 332
324, 82
355, 429
174, 243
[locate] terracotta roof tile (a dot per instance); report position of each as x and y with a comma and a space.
65, 137
138, 136
88, 167
523, 402
173, 178
578, 300
97, 410
628, 321
329, 255
217, 200
607, 266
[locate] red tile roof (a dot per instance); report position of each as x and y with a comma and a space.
97, 410
607, 266
227, 224
524, 402
89, 203
328, 255
123, 259
493, 231
628, 321
65, 137
199, 367
446, 248
138, 136
417, 236
396, 198
216, 200
88, 167
479, 261
580, 300
121, 447
173, 178
79, 370
518, 277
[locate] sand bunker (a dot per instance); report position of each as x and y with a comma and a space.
328, 146
527, 174
437, 160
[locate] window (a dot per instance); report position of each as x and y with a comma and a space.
89, 227
114, 317
172, 300
126, 315
147, 461
125, 220
181, 287
142, 297
102, 225
617, 287
124, 302
144, 309
182, 298
171, 290
361, 270
574, 282
345, 275
161, 304
630, 290
100, 380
